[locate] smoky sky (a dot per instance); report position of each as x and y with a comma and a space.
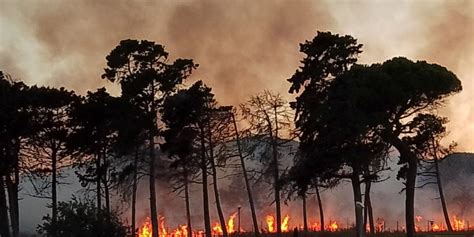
243, 47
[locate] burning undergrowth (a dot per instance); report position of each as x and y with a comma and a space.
387, 200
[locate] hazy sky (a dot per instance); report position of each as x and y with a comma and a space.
243, 47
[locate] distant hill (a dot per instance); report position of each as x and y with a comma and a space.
457, 166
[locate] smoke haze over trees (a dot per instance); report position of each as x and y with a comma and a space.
192, 91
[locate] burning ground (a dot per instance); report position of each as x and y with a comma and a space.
387, 200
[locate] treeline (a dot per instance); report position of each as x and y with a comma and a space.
346, 117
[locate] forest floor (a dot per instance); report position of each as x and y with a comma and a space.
385, 234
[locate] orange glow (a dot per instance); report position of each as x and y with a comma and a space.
315, 226
181, 231
380, 227
270, 223
162, 231
435, 227
199, 233
333, 226
230, 223
284, 224
145, 229
458, 224
217, 229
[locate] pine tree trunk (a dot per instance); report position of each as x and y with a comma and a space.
12, 187
106, 185
54, 194
410, 198
276, 173
246, 179
205, 194
186, 199
153, 209
215, 185
305, 219
107, 198
412, 166
358, 205
4, 228
134, 192
217, 198
320, 205
98, 184
99, 192
441, 196
368, 212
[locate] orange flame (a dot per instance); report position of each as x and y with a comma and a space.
333, 226
145, 229
435, 227
230, 223
284, 224
162, 231
458, 224
181, 231
217, 229
270, 223
315, 226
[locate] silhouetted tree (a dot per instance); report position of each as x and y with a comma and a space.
383, 98
95, 132
269, 119
327, 56
395, 97
244, 173
46, 150
432, 152
188, 112
130, 151
14, 127
146, 78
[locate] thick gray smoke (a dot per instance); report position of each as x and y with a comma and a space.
243, 47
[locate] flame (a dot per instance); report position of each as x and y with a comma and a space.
458, 224
145, 229
270, 223
435, 227
284, 224
230, 223
315, 226
217, 229
417, 226
162, 231
199, 233
380, 227
181, 231
333, 226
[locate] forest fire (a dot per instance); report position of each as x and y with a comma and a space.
271, 228
333, 226
217, 229
458, 224
230, 223
182, 230
162, 231
270, 223
145, 230
284, 224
